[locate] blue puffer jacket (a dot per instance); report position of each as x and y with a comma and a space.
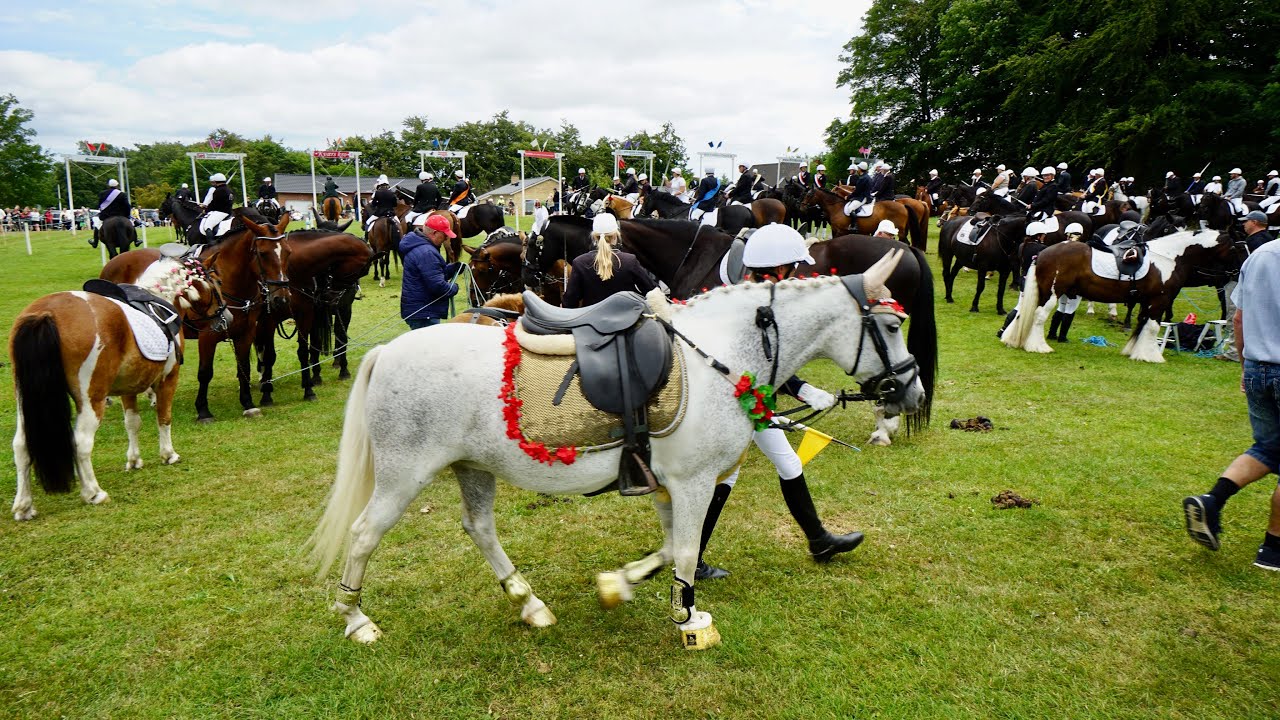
426, 289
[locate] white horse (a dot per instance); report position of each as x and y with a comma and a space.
399, 433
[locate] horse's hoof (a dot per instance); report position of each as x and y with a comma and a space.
612, 589
699, 633
100, 498
974, 309
205, 420
540, 618
25, 514
266, 401
366, 634
880, 440
344, 375
382, 283
253, 412
310, 397
950, 301
173, 459
317, 380
133, 464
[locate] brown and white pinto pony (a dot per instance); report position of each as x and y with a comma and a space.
248, 268
1066, 269
80, 344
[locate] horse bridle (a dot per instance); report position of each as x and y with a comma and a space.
893, 381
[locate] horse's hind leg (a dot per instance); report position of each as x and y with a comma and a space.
164, 416
88, 418
478, 489
23, 509
132, 422
616, 587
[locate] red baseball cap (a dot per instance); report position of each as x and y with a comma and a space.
439, 223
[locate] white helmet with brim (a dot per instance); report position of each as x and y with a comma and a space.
774, 245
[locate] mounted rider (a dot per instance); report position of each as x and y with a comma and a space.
774, 252
705, 196
853, 174
886, 190
217, 208
1196, 189
758, 184
741, 192
184, 193
1271, 193
804, 178
1000, 185
580, 182
1214, 187
934, 187
678, 186
1235, 191
820, 180
861, 194
426, 197
631, 186
1172, 183
111, 203
1046, 198
331, 188
1028, 188
461, 195
1096, 193
977, 183
267, 192
382, 204
1064, 178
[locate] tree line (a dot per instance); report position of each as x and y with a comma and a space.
1138, 87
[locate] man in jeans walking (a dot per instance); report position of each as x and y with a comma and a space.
1257, 340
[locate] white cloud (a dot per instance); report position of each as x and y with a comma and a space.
758, 75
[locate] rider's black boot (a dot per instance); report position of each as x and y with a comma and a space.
1053, 324
822, 544
93, 241
721, 496
1066, 325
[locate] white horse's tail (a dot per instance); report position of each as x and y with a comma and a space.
1016, 334
353, 484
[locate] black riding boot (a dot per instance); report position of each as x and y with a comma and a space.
1053, 324
822, 544
721, 496
93, 241
1066, 325
1008, 320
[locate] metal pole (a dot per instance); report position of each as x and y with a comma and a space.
71, 198
359, 220
26, 230
144, 232
102, 248
244, 188
124, 171
195, 182
314, 204
520, 213
464, 168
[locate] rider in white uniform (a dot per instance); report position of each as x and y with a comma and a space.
775, 251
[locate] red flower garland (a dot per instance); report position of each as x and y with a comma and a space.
757, 402
511, 408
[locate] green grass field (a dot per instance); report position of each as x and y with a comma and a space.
187, 595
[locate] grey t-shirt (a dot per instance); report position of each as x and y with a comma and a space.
1258, 296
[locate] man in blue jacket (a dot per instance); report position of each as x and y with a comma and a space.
428, 287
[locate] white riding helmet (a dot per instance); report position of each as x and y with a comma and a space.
631, 171
933, 173
424, 175
1195, 174
582, 171
113, 183
977, 171
774, 245
1036, 228
642, 176
1102, 172
1000, 168
266, 179
711, 171
822, 167
887, 226
862, 166
1273, 173
457, 173
217, 177
676, 171
1217, 178
184, 185
1169, 174
1062, 166
430, 176
1074, 229
1233, 171
382, 180
604, 223
1048, 171
887, 167
852, 165
1029, 172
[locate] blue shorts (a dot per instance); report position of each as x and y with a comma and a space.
1262, 388
416, 323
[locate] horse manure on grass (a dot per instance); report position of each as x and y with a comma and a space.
973, 424
1010, 499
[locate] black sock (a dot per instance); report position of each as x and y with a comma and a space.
1271, 541
1223, 490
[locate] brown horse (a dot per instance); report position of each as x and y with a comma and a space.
496, 268
841, 224
248, 267
80, 344
324, 268
452, 247
1065, 269
768, 210
511, 302
384, 238
332, 209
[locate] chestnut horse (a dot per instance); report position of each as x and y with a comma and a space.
324, 268
332, 209
1066, 269
510, 302
80, 344
248, 268
833, 206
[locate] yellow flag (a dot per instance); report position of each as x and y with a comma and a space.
811, 444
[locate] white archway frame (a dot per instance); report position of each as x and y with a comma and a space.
239, 157
540, 155
335, 155
702, 156
619, 153
803, 159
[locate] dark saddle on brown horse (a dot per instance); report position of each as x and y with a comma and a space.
623, 359
159, 310
1129, 248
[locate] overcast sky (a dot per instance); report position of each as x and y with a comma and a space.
758, 75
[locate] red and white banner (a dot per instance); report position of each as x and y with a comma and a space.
540, 154
334, 154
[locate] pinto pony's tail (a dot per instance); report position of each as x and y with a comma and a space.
1015, 335
353, 485
41, 383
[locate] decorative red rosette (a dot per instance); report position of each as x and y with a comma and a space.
511, 408
757, 402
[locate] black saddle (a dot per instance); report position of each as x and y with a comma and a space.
623, 359
158, 309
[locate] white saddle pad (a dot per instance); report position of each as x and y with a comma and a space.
96, 222
410, 216
1088, 206
1104, 265
151, 340
979, 191
966, 236
462, 212
215, 219
1051, 224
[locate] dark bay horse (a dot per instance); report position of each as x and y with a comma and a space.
483, 217
180, 213
118, 234
496, 268
993, 253
1066, 269
248, 268
547, 255
324, 268
384, 238
731, 218
332, 209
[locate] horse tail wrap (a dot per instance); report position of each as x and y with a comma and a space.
1016, 334
43, 397
922, 340
353, 484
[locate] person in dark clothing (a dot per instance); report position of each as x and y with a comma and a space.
1046, 199
426, 197
853, 174
184, 193
820, 179
267, 191
427, 287
604, 271
218, 197
888, 183
111, 203
704, 196
580, 182
330, 188
934, 187
741, 191
1063, 178
384, 201
861, 194
1027, 189
461, 196
1172, 183
630, 186
804, 178
1197, 185
1255, 225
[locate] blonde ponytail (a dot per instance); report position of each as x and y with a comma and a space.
606, 258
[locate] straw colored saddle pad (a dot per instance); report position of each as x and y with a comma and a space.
574, 421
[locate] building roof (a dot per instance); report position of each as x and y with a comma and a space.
301, 184
513, 188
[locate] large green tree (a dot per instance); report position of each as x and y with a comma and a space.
24, 166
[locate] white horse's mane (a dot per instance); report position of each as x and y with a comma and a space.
792, 282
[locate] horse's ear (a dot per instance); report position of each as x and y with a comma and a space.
468, 250
259, 230
343, 227
874, 278
285, 219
